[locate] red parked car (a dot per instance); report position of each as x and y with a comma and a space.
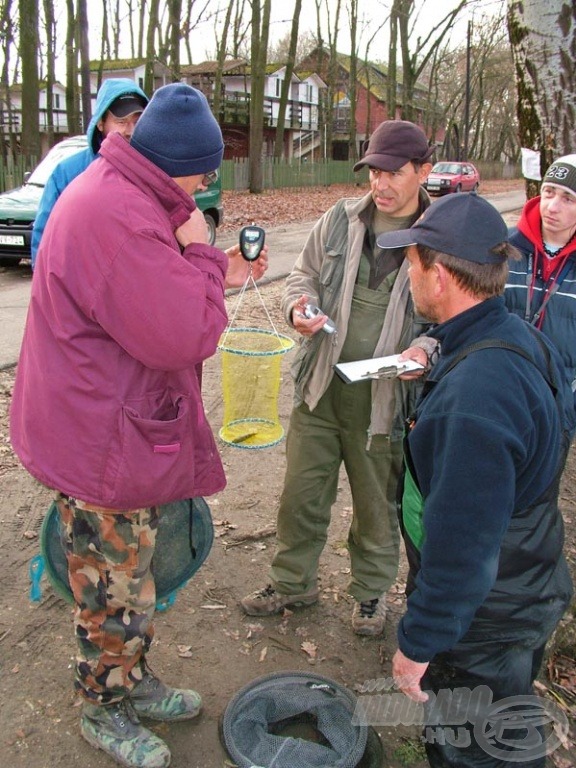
448, 176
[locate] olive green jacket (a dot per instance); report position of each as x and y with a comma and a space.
326, 271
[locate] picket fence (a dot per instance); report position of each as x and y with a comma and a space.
276, 174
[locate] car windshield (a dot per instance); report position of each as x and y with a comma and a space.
447, 168
41, 173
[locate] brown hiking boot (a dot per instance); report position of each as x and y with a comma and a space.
267, 601
369, 616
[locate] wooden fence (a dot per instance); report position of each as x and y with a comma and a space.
12, 171
276, 173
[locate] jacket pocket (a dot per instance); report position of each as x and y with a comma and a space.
152, 458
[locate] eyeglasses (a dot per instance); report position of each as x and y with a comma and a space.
210, 178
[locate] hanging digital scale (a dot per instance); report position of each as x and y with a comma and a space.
251, 242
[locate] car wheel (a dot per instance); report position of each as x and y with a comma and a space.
475, 187
458, 188
211, 224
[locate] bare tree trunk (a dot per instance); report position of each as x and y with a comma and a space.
162, 33
492, 94
141, 26
29, 40
368, 70
174, 20
325, 108
431, 122
50, 64
332, 71
150, 47
72, 113
287, 82
240, 28
543, 38
260, 32
221, 53
202, 13
352, 90
7, 37
131, 13
84, 47
105, 50
414, 62
392, 62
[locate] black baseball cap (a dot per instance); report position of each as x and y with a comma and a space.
463, 225
127, 104
393, 144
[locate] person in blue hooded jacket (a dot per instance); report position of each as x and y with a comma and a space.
484, 450
119, 104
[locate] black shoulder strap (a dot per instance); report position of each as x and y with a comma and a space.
501, 344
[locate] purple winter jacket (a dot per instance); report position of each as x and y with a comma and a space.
107, 405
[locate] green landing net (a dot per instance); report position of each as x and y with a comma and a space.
251, 375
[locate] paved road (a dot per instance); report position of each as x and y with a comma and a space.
285, 244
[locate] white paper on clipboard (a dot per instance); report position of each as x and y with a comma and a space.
375, 368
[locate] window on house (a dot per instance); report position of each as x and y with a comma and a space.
56, 101
278, 86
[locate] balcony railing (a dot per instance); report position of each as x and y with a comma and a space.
235, 110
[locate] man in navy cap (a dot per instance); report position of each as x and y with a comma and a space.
484, 448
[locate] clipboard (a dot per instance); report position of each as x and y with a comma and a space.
388, 367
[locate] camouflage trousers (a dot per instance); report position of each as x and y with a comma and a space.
109, 555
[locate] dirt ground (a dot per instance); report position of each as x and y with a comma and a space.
204, 641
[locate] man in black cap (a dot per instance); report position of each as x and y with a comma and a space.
364, 290
119, 104
483, 452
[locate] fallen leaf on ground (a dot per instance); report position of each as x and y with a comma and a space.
310, 649
253, 629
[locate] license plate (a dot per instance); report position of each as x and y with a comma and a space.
12, 240
434, 184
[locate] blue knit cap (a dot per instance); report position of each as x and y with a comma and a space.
178, 132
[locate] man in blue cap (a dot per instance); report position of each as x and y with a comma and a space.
484, 449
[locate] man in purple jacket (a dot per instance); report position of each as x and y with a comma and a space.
126, 304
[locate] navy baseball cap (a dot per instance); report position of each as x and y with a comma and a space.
463, 225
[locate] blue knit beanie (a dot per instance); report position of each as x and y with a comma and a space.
178, 132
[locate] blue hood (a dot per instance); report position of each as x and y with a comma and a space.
109, 91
